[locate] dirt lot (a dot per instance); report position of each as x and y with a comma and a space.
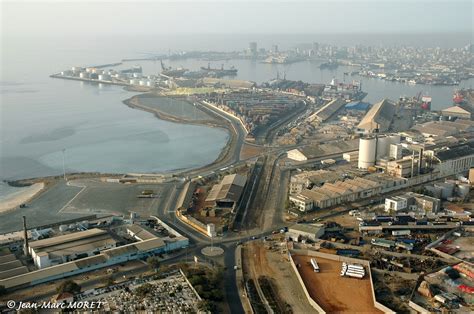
333, 292
260, 261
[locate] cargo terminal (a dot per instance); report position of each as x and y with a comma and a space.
75, 250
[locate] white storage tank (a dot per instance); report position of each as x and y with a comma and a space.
63, 228
104, 77
462, 190
77, 69
367, 147
134, 82
383, 147
84, 75
150, 84
142, 83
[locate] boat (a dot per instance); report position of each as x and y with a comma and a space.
458, 98
134, 69
426, 102
220, 72
170, 72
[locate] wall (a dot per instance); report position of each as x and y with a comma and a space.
308, 297
347, 260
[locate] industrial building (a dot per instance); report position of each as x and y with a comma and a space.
413, 202
453, 160
327, 111
69, 247
379, 117
296, 154
227, 193
302, 202
351, 157
376, 147
441, 129
312, 232
349, 190
108, 257
457, 112
305, 179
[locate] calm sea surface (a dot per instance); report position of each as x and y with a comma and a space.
40, 116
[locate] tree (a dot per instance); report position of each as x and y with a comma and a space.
68, 286
206, 306
153, 262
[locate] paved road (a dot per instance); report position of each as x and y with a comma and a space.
44, 209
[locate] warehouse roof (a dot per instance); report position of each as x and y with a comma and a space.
308, 228
140, 233
379, 116
230, 188
71, 237
455, 152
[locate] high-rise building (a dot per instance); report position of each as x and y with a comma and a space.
275, 48
253, 48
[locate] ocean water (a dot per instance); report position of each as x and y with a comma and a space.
43, 119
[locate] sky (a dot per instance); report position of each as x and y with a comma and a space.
98, 18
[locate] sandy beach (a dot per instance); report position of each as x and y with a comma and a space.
21, 197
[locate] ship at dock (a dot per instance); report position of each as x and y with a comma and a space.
220, 72
172, 72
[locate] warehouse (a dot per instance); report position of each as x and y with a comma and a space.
227, 193
68, 247
305, 231
106, 258
379, 117
457, 112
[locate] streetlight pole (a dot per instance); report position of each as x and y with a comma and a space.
64, 164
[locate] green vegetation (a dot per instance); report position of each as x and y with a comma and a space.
208, 284
68, 286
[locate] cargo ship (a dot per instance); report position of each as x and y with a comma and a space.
170, 72
220, 72
458, 97
134, 69
426, 102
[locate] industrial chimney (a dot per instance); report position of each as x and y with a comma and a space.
25, 235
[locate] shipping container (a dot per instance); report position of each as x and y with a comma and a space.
400, 232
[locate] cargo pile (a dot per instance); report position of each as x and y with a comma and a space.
353, 270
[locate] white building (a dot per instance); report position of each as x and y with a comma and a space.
351, 157
303, 203
395, 203
69, 247
297, 155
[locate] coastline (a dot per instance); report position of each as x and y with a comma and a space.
134, 103
21, 197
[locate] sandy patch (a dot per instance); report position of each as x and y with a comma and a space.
21, 197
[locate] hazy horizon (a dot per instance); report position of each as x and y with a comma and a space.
105, 18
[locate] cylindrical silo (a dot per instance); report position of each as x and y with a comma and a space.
463, 190
367, 147
395, 138
383, 147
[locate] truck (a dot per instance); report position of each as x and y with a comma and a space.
400, 232
315, 265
